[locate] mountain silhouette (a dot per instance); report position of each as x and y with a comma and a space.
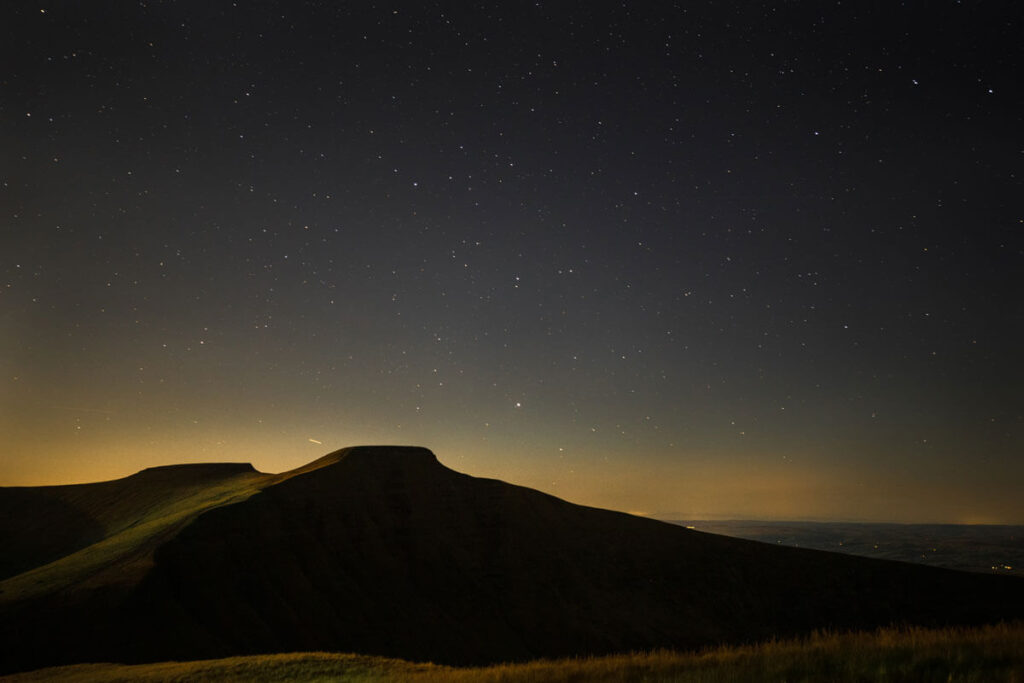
383, 550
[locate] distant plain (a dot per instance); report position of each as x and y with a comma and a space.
986, 548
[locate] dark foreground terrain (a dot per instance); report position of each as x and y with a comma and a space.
988, 654
384, 551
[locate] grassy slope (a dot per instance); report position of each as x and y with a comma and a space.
126, 519
994, 653
136, 515
134, 523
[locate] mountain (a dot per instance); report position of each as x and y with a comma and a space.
44, 523
382, 550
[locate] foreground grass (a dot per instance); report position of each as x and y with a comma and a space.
994, 653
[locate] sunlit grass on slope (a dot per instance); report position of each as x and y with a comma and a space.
994, 653
136, 519
130, 539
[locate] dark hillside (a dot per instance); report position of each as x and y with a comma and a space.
386, 551
383, 550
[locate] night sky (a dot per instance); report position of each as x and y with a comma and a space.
688, 260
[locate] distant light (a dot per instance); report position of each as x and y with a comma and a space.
315, 441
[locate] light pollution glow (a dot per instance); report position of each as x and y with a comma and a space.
713, 484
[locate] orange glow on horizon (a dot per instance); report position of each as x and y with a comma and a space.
701, 485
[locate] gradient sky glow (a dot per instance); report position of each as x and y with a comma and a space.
705, 260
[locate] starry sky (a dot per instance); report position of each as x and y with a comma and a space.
701, 260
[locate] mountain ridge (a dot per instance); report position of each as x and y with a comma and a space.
384, 550
198, 470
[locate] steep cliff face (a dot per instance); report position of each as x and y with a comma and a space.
383, 550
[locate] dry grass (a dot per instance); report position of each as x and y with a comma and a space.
988, 654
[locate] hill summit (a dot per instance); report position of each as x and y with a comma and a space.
381, 458
196, 472
383, 550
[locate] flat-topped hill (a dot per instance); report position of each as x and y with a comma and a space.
383, 550
195, 471
381, 458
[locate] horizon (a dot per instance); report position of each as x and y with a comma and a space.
661, 515
743, 260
